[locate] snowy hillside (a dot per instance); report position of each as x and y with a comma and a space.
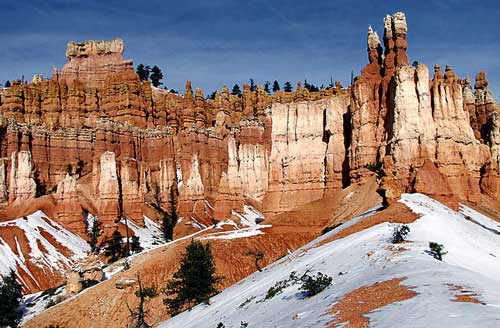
35, 241
364, 267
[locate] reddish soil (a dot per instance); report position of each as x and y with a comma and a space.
396, 249
462, 295
363, 300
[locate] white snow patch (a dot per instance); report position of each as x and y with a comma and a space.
240, 233
34, 304
178, 172
149, 236
231, 223
249, 217
51, 259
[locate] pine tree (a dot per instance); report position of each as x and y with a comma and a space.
10, 296
156, 76
212, 95
143, 72
306, 85
236, 90
95, 233
310, 87
331, 84
195, 280
168, 225
276, 86
267, 87
253, 87
287, 87
114, 248
437, 250
7, 84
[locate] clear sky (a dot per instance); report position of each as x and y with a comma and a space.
225, 42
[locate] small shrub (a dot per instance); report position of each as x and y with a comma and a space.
243, 324
220, 325
400, 233
277, 288
311, 285
248, 300
314, 285
437, 250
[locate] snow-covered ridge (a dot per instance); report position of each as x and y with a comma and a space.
364, 258
43, 253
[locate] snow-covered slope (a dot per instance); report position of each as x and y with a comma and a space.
150, 236
471, 267
37, 243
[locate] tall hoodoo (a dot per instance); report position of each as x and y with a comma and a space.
395, 30
374, 47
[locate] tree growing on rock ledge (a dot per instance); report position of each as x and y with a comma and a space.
276, 86
156, 76
236, 90
94, 235
195, 280
287, 87
143, 72
267, 87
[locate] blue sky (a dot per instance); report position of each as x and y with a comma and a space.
225, 42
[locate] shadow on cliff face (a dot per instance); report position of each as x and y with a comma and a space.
346, 180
